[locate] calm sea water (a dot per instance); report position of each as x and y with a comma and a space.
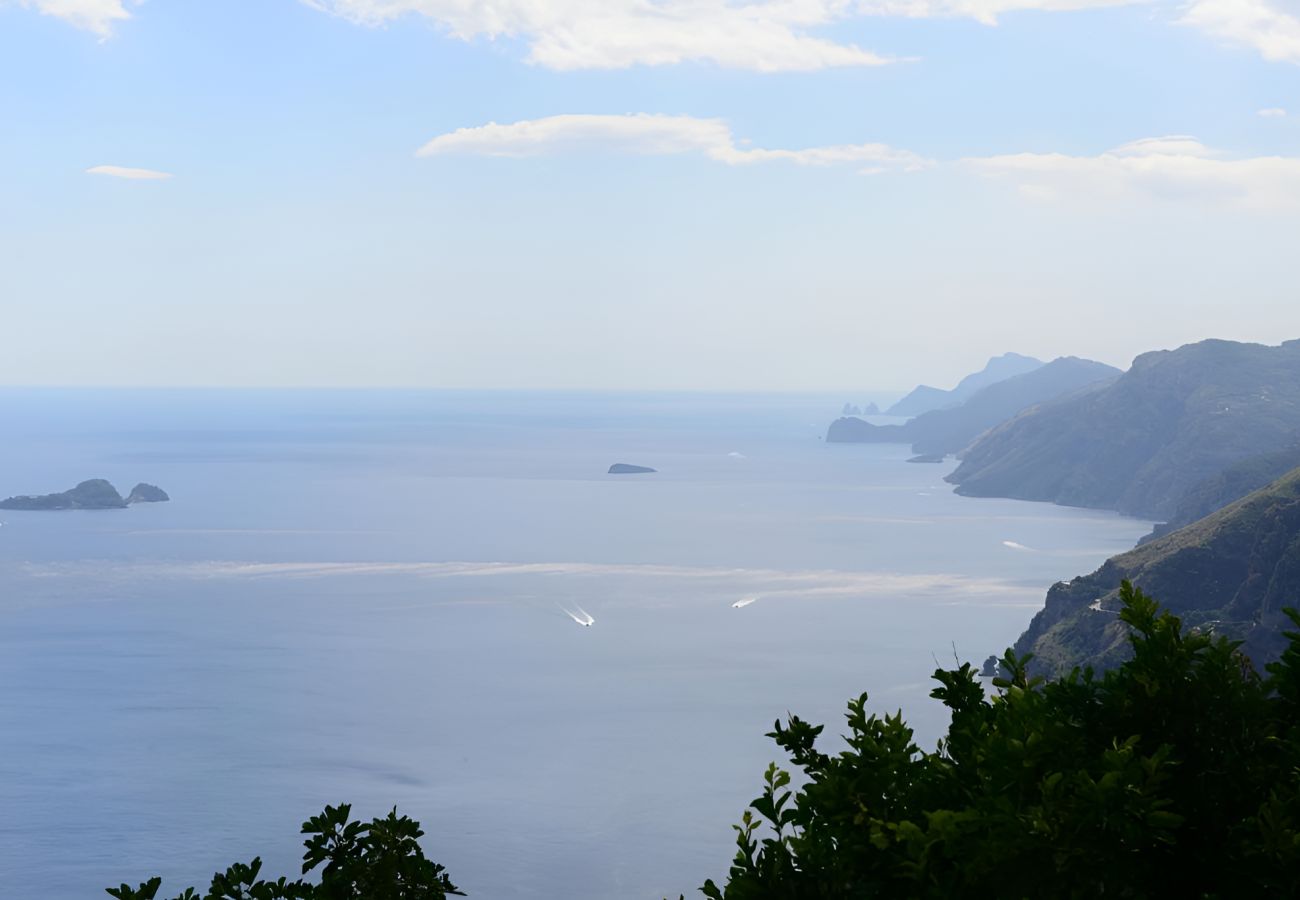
360, 596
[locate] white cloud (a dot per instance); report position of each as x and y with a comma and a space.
128, 173
986, 11
92, 15
1272, 112
654, 135
762, 35
766, 35
1169, 168
1271, 28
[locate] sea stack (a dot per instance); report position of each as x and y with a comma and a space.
146, 493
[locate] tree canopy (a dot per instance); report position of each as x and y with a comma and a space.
1174, 775
376, 860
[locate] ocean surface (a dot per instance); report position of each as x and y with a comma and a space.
365, 597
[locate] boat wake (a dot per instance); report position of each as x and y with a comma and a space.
582, 617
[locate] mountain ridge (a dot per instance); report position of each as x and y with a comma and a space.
946, 431
924, 398
1141, 445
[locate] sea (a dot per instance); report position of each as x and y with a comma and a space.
377, 597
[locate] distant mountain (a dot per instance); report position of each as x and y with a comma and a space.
1144, 444
945, 431
1232, 572
924, 398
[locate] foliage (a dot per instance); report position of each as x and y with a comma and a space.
1175, 775
378, 860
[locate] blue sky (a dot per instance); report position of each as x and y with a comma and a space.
686, 194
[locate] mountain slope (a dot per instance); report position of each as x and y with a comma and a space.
1228, 486
944, 431
1232, 572
924, 398
1142, 444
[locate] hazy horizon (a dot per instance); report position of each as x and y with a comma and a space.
926, 369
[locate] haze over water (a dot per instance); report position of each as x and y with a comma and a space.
359, 597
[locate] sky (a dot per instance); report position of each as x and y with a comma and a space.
638, 194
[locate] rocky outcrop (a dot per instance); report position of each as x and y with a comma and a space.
146, 493
94, 494
1232, 572
852, 430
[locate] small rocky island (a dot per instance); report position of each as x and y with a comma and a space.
146, 493
94, 494
625, 469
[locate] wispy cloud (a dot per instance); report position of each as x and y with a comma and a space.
1268, 28
128, 173
1272, 112
762, 35
1170, 168
767, 35
655, 135
985, 11
92, 15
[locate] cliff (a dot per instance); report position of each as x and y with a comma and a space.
1232, 572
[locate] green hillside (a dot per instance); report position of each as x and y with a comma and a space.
1231, 573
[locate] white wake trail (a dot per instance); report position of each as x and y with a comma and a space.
582, 617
